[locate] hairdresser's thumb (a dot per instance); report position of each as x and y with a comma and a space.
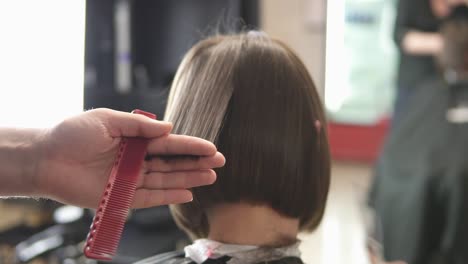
122, 124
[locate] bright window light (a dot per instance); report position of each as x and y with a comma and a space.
41, 61
336, 88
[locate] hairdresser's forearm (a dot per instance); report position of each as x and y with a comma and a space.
422, 43
20, 153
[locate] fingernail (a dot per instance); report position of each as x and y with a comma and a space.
219, 154
164, 122
211, 175
189, 200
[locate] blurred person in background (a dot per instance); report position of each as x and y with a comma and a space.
417, 37
421, 196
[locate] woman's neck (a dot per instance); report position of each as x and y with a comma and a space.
251, 225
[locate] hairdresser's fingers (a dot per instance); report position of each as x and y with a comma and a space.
145, 198
177, 180
181, 145
121, 124
159, 164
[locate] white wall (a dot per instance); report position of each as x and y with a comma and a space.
41, 61
300, 24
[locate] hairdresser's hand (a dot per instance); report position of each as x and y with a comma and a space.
79, 152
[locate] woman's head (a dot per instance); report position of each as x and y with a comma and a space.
454, 31
253, 97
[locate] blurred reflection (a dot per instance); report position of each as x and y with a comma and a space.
416, 34
420, 194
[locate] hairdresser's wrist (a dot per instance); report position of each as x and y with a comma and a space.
36, 158
46, 170
20, 159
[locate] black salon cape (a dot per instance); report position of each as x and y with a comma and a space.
421, 185
178, 257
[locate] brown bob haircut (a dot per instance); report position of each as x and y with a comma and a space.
253, 97
454, 32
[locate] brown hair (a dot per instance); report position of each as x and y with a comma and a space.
454, 32
253, 97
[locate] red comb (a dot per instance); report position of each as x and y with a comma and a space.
106, 229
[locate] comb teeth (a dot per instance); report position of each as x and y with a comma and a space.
109, 221
107, 227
